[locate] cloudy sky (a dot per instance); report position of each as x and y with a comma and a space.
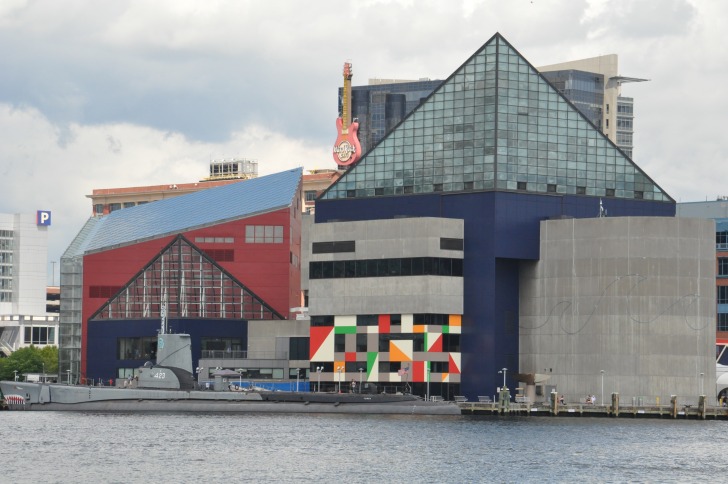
101, 93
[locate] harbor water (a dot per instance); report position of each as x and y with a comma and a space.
62, 447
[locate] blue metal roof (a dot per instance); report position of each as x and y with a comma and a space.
200, 209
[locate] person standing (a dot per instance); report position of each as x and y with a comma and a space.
353, 386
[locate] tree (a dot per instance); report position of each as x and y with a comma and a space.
29, 360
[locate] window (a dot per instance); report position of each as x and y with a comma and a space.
114, 206
722, 322
298, 348
264, 234
722, 266
99, 208
310, 195
333, 247
339, 343
451, 244
361, 342
40, 335
721, 241
722, 294
141, 348
414, 266
129, 204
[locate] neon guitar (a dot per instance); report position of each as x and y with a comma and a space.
347, 148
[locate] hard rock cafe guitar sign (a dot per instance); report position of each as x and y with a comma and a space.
347, 148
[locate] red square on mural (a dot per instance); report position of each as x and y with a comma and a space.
350, 356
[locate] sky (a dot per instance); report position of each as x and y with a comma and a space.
116, 93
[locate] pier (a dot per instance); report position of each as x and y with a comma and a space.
614, 409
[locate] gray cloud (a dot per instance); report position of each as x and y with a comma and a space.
99, 94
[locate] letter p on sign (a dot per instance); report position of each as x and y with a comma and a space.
43, 218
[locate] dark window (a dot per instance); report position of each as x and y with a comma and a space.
722, 294
638, 195
339, 343
722, 322
610, 192
99, 208
551, 188
333, 247
310, 195
328, 270
521, 185
721, 239
221, 255
298, 348
722, 266
339, 266
322, 320
439, 366
581, 190
418, 342
361, 342
129, 204
367, 320
451, 342
114, 207
451, 244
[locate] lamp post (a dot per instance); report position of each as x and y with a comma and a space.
240, 378
43, 377
504, 370
701, 383
298, 372
319, 369
16, 374
428, 380
361, 370
602, 372
69, 376
339, 370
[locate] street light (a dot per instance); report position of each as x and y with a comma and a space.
339, 370
504, 370
240, 378
319, 369
298, 371
602, 372
69, 376
360, 376
16, 374
43, 378
428, 380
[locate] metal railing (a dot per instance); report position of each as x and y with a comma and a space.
244, 355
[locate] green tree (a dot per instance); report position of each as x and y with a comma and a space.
29, 360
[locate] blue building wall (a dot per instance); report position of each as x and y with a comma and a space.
103, 360
501, 229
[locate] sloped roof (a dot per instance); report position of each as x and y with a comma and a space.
496, 124
187, 212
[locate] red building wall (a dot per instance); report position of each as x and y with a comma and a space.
265, 268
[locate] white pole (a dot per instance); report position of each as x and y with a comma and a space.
602, 372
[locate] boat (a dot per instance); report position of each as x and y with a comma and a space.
169, 386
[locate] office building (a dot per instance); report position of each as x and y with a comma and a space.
383, 103
594, 86
439, 260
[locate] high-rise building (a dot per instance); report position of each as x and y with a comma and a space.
24, 317
594, 85
383, 103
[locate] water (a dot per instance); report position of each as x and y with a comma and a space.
64, 447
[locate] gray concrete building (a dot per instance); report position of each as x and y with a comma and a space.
624, 305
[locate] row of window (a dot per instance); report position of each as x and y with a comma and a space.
6, 296
450, 342
383, 367
40, 335
722, 295
6, 244
6, 234
406, 266
6, 257
394, 319
263, 234
214, 240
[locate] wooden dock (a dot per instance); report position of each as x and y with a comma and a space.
673, 410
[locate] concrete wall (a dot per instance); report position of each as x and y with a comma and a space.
633, 297
382, 239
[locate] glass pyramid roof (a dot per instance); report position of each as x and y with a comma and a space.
190, 285
496, 124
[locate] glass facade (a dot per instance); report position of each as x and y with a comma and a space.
496, 124
198, 286
380, 107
